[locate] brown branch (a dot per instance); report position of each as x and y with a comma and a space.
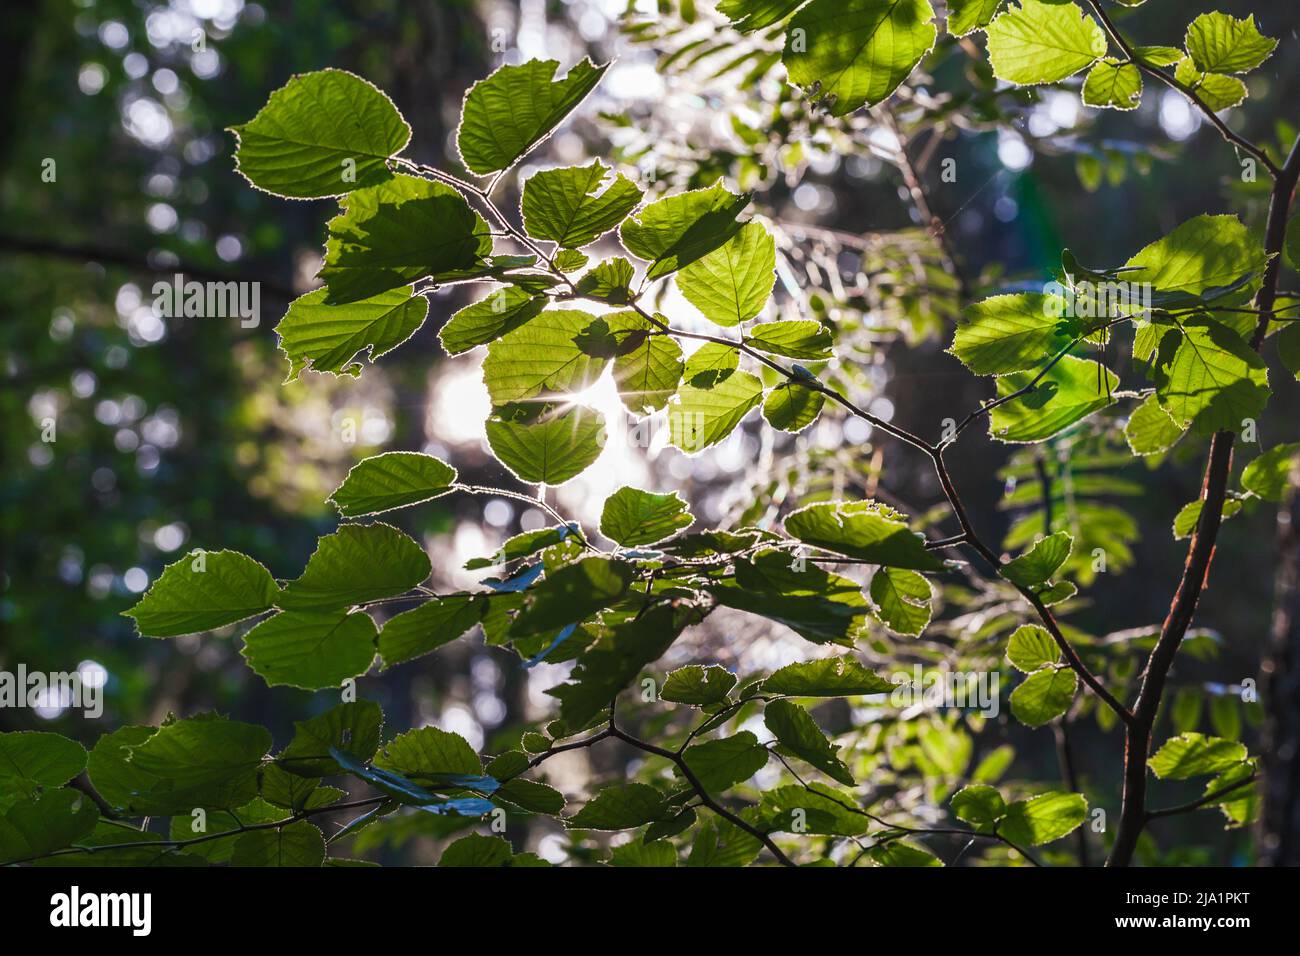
936, 226
1209, 798
680, 762
1200, 552
1234, 138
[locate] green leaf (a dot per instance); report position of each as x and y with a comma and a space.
399, 231
711, 363
858, 51
123, 785
796, 338
1219, 43
429, 754
903, 853
503, 311
722, 843
440, 621
311, 649
966, 16
570, 260
557, 353
798, 733
202, 591
1031, 647
1044, 695
531, 796
828, 677
1201, 255
994, 764
477, 850
321, 134
1044, 818
727, 761
326, 338
1288, 346
634, 517
352, 728
515, 108
819, 606
187, 827
616, 660
394, 479
572, 594
647, 368
291, 791
550, 448
1070, 391
1011, 333
732, 283
1240, 806
609, 281
675, 231
817, 808
1150, 430
1038, 564
204, 761
1189, 516
620, 808
297, 844
574, 206
1158, 55
355, 565
1195, 755
750, 15
1041, 41
1215, 90
706, 416
656, 853
524, 544
979, 805
33, 760
902, 600
43, 824
1272, 473
866, 530
699, 686
1113, 84
792, 407
1215, 380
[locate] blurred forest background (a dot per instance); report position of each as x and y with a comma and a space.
174, 434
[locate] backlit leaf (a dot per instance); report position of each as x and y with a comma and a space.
203, 591
574, 206
634, 517
321, 134
858, 51
354, 565
515, 108
1039, 41
394, 479
399, 231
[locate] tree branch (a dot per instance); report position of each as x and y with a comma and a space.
1200, 551
1234, 138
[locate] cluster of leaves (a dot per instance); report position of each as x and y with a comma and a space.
404, 229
